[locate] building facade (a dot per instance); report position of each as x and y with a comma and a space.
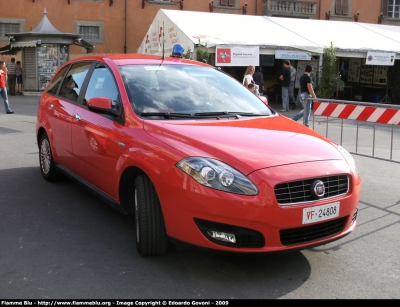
118, 26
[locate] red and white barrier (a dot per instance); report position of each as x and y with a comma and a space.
358, 112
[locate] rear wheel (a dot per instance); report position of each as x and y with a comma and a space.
151, 237
47, 167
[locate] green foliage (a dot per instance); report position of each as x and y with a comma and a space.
202, 53
330, 79
187, 54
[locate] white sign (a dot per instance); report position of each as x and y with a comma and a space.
292, 55
237, 56
380, 58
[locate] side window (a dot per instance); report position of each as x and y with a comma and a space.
102, 84
93, 31
228, 2
391, 8
53, 87
342, 7
72, 83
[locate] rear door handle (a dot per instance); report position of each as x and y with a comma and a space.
77, 116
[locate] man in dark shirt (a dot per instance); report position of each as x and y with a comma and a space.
306, 93
285, 77
258, 78
292, 99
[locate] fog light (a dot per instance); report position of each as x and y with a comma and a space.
354, 217
222, 236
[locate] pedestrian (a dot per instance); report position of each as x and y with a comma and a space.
259, 79
248, 77
11, 76
285, 78
306, 93
3, 86
292, 81
252, 88
18, 73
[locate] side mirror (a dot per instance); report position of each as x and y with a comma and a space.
102, 105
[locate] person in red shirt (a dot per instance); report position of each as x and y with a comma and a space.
3, 86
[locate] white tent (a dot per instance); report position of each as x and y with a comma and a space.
190, 28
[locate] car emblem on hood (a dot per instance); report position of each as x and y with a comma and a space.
317, 189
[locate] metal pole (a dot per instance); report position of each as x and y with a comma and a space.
391, 143
326, 132
341, 133
357, 137
373, 142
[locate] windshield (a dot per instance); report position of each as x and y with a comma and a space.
186, 89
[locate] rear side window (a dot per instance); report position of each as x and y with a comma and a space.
53, 87
72, 83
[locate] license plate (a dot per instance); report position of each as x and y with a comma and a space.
321, 213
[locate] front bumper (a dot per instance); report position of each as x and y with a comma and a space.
271, 226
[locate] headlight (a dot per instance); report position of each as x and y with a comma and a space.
218, 175
349, 160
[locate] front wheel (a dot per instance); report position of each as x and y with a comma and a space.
47, 167
151, 237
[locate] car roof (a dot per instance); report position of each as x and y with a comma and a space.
129, 59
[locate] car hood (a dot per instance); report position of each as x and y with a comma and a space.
246, 144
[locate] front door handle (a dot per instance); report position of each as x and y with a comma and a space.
77, 116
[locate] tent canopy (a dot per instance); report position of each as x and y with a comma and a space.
269, 33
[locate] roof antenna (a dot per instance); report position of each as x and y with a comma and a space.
163, 53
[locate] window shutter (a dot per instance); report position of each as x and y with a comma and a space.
232, 2
224, 2
385, 7
345, 7
338, 9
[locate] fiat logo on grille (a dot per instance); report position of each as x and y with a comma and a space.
317, 189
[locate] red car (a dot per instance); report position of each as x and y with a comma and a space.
197, 157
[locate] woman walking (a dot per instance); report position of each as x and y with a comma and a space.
248, 77
3, 86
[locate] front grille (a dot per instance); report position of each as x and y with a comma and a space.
245, 237
313, 232
300, 191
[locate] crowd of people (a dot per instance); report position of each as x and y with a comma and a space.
254, 80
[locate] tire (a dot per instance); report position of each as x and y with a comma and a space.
151, 236
46, 161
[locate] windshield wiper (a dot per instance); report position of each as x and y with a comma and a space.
227, 114
166, 114
200, 115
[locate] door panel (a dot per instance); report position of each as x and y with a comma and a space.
96, 136
61, 114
